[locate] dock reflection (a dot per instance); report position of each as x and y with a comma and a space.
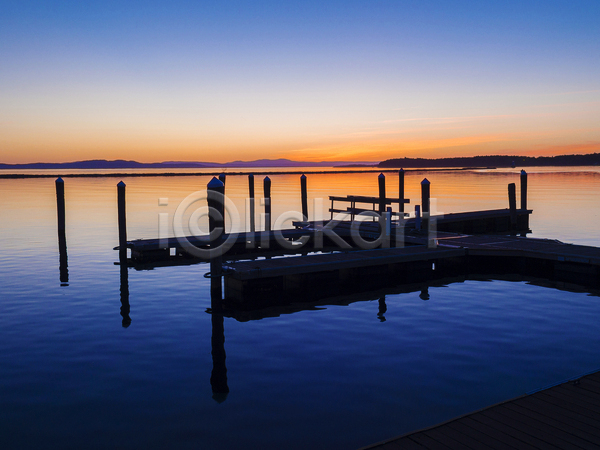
218, 376
63, 258
124, 295
382, 309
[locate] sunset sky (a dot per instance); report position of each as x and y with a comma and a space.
312, 81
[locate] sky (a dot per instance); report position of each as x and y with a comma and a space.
310, 81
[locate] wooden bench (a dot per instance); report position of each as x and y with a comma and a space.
354, 199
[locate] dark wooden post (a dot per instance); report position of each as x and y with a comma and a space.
523, 190
267, 198
401, 190
512, 205
62, 237
216, 226
122, 221
381, 181
304, 194
417, 217
388, 227
251, 198
222, 178
60, 204
425, 195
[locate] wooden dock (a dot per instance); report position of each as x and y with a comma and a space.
248, 245
307, 278
566, 416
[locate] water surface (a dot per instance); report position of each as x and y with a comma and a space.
334, 376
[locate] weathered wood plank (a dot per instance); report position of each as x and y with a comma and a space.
429, 443
519, 429
497, 433
335, 261
537, 428
555, 426
548, 419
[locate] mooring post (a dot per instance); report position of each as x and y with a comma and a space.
401, 191
216, 219
388, 227
267, 199
425, 195
216, 226
512, 205
381, 181
304, 194
523, 190
122, 222
62, 237
417, 217
60, 204
251, 201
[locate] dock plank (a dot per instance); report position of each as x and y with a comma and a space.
541, 420
519, 429
247, 270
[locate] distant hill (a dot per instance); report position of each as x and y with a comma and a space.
494, 161
123, 164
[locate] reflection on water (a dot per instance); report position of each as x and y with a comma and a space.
63, 259
218, 376
382, 309
72, 377
124, 289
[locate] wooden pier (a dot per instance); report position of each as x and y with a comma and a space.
248, 245
261, 282
566, 416
314, 236
321, 259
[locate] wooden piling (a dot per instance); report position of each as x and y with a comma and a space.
267, 199
62, 237
425, 196
60, 203
381, 181
251, 199
304, 194
512, 204
222, 178
122, 217
401, 189
523, 189
216, 225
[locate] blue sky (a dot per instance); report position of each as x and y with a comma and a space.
351, 80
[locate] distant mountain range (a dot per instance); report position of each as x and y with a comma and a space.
592, 159
123, 164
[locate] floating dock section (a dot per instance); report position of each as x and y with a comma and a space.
267, 281
563, 416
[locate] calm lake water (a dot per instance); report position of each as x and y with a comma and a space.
71, 376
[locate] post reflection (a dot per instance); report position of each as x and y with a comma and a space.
218, 376
382, 309
124, 294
